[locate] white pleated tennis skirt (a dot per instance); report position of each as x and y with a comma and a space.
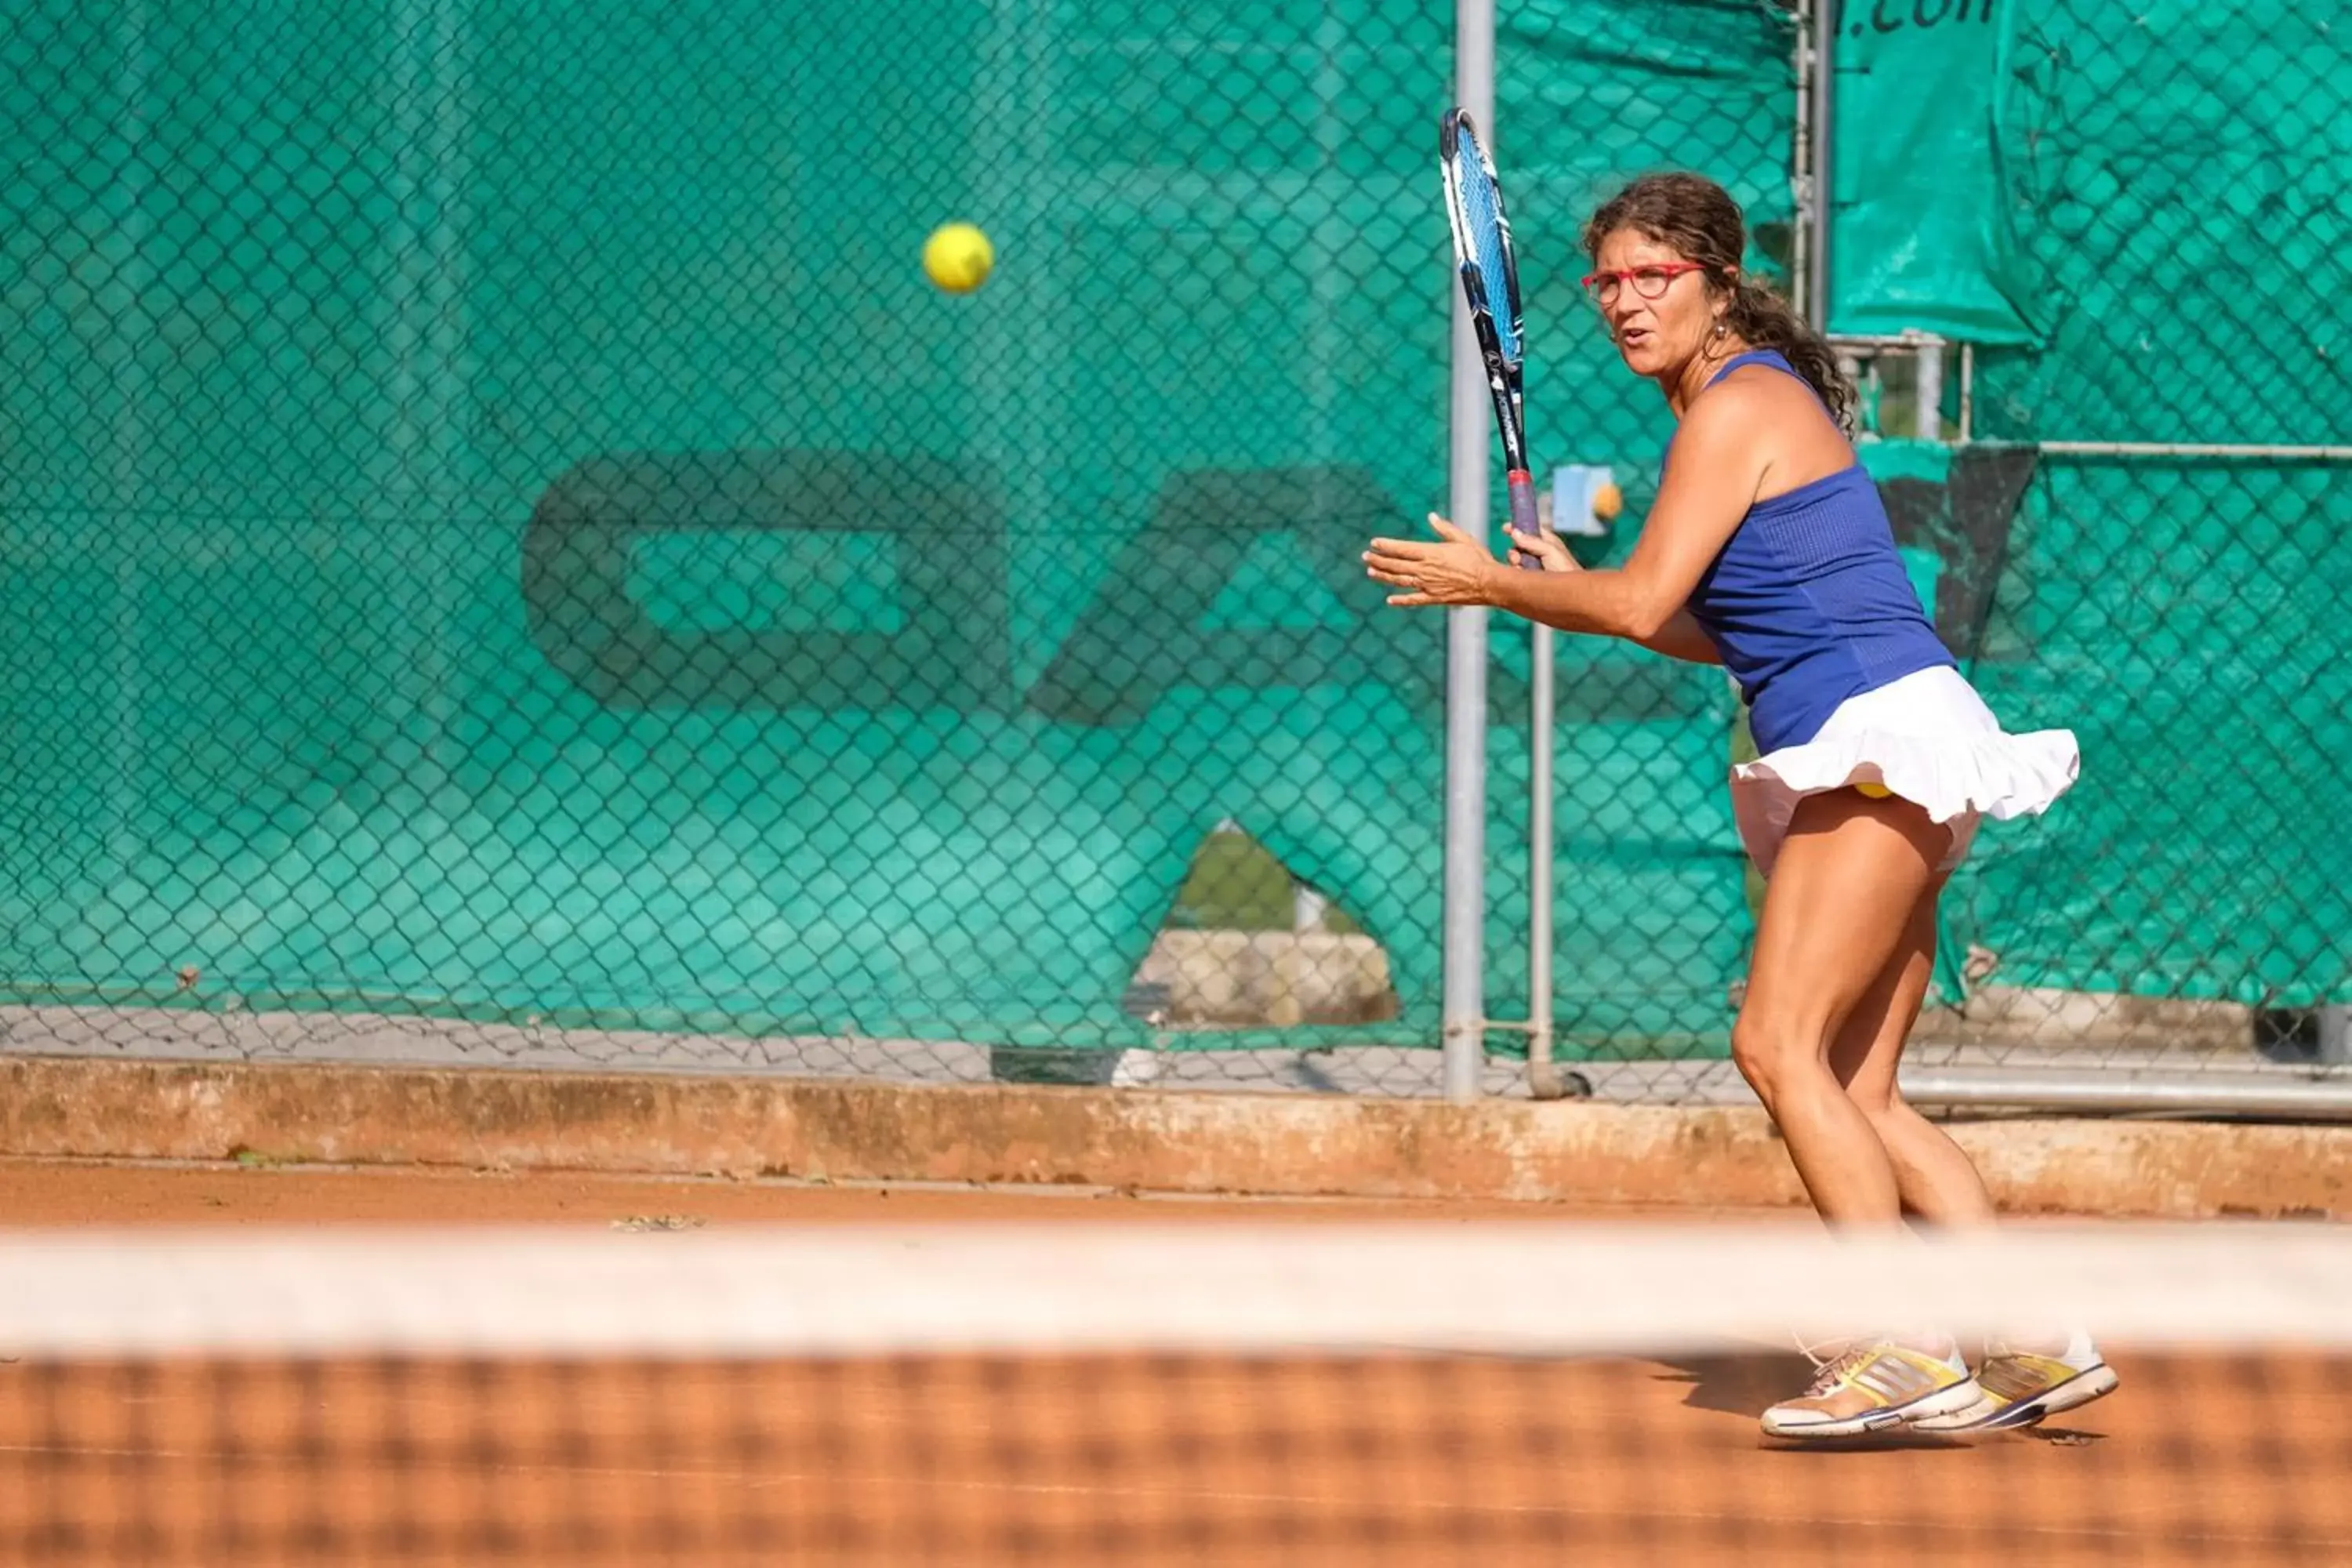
1928, 737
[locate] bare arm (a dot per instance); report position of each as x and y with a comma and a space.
1717, 466
1721, 459
1680, 639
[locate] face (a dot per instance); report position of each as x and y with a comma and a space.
1656, 337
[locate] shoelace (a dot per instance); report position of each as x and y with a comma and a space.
1820, 1351
1831, 1371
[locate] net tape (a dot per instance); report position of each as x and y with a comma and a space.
1519, 1286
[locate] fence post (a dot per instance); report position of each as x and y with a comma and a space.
1818, 98
2335, 1036
1927, 390
1464, 1021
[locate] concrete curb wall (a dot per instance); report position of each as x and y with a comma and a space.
1177, 1141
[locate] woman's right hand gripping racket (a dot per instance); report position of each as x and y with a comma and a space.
1490, 282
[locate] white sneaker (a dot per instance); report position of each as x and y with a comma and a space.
2022, 1387
1875, 1385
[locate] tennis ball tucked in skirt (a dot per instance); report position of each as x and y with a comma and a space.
1926, 738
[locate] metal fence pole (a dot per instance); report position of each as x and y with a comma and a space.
2306, 1095
2240, 451
1820, 97
1800, 165
2335, 1036
1927, 390
1543, 1076
1464, 1005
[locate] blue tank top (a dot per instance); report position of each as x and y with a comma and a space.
1809, 604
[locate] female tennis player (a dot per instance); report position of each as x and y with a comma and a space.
1769, 551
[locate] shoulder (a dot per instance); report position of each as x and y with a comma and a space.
1764, 417
1754, 392
1736, 417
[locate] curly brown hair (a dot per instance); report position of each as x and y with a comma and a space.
1700, 221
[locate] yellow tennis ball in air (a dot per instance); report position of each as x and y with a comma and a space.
1608, 501
957, 258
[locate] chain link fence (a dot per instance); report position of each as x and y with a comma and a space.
2176, 581
513, 562
2074, 261
510, 561
509, 551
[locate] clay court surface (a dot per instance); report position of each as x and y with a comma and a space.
1092, 1459
81, 1193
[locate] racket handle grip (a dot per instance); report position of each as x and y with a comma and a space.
1522, 487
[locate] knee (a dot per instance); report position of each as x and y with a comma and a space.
1769, 1051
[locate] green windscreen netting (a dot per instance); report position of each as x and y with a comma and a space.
498, 525
2172, 181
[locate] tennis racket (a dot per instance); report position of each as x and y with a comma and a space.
1490, 282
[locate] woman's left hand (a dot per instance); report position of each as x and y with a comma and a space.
1457, 570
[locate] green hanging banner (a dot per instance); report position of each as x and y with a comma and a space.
1920, 234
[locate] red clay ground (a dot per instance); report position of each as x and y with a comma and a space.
72, 1193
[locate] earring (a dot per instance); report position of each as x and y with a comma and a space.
1721, 327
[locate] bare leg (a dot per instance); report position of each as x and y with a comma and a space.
1844, 956
1837, 911
1936, 1180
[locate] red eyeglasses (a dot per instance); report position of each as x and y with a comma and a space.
1650, 282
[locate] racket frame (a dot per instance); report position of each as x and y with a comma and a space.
1505, 370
